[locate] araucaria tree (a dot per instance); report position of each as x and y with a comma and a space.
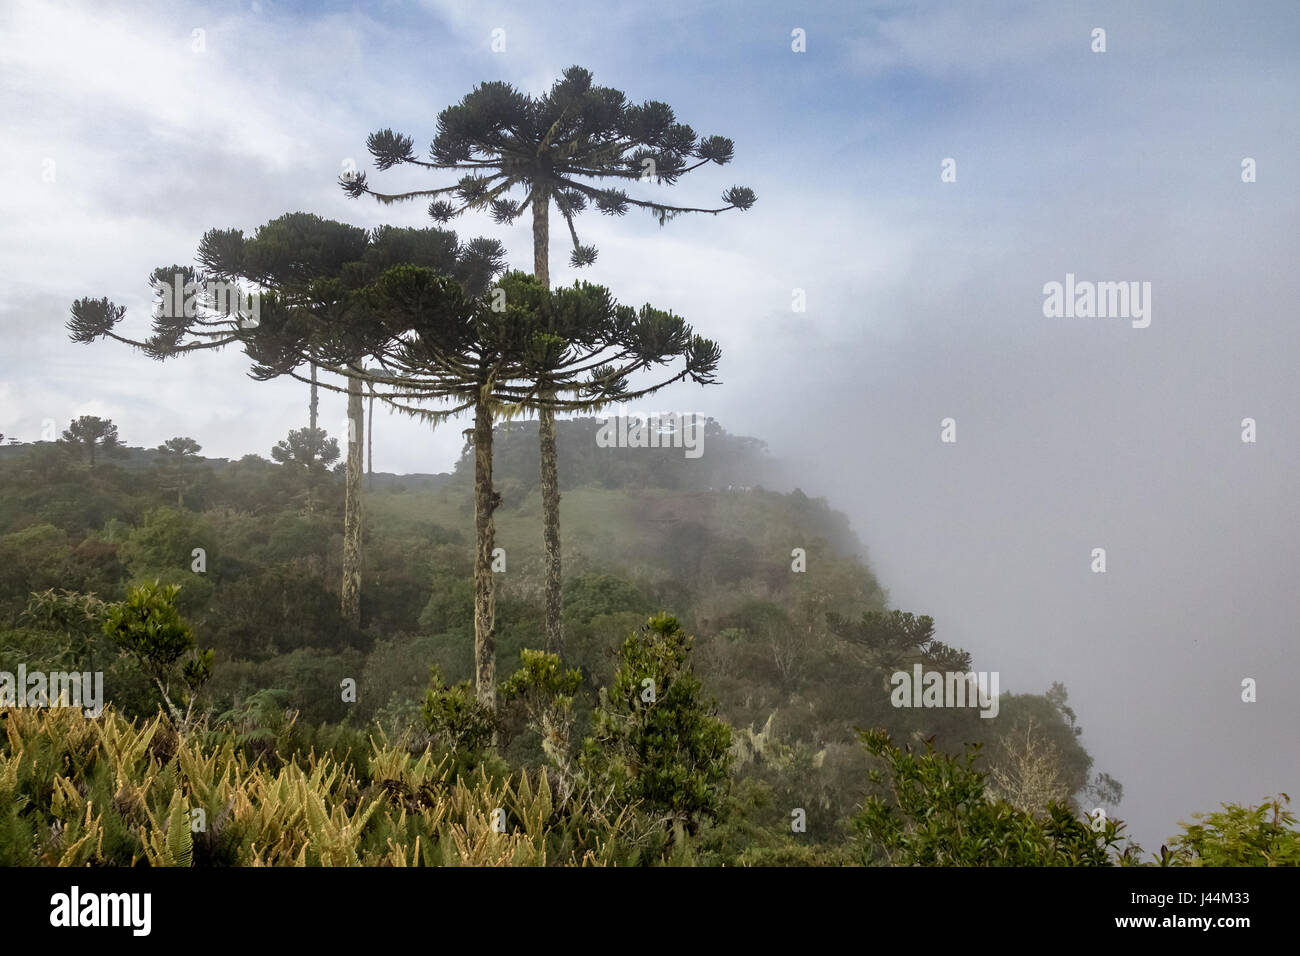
317, 267
307, 272
486, 355
90, 432
310, 451
572, 146
176, 456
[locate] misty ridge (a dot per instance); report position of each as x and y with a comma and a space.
792, 471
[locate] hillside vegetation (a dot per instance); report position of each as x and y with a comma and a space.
772, 672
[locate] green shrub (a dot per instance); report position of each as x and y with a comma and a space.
656, 741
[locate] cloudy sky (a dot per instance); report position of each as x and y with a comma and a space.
125, 134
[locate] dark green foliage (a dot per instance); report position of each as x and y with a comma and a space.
309, 677
588, 595
278, 610
656, 742
897, 638
755, 830
88, 433
935, 812
180, 447
148, 626
307, 448
77, 619
455, 720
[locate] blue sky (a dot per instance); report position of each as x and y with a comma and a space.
924, 297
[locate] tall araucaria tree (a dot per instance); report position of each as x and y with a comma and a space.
487, 357
308, 272
570, 146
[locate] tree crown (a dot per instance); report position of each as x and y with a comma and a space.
564, 145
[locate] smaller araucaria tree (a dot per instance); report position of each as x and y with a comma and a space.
177, 455
309, 452
307, 448
90, 432
289, 295
180, 447
572, 146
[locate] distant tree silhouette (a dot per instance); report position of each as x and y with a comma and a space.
311, 451
309, 448
177, 454
90, 432
180, 447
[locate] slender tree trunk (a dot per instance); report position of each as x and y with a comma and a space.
550, 477
370, 442
312, 410
351, 589
542, 235
485, 503
551, 531
172, 709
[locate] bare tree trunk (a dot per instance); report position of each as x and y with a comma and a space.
485, 503
312, 408
370, 441
551, 531
550, 478
542, 235
172, 709
351, 588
